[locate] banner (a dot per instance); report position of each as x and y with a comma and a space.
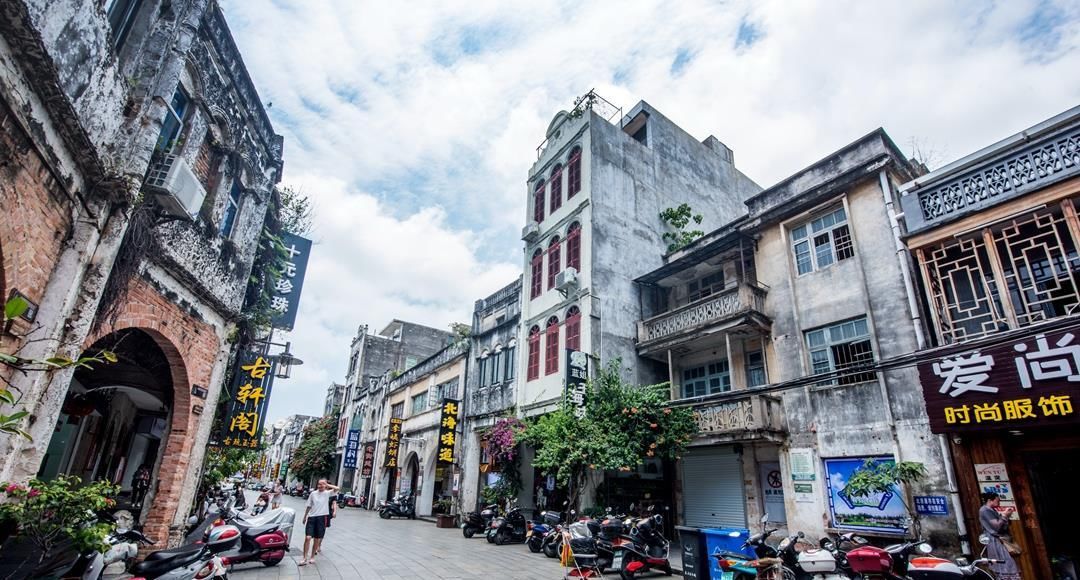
368, 466
352, 447
448, 431
286, 297
577, 378
252, 381
882, 512
393, 443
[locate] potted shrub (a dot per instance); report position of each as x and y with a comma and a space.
443, 517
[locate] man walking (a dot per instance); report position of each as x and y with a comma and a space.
316, 518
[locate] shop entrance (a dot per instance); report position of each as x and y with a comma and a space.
1053, 476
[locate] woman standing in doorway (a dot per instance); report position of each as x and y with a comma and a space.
996, 524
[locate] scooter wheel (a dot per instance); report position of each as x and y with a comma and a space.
269, 563
490, 538
624, 573
501, 538
534, 545
384, 514
467, 532
551, 550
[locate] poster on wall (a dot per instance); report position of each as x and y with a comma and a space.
994, 478
883, 512
772, 491
802, 464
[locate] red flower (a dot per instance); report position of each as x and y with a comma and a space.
34, 493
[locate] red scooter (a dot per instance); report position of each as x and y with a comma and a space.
263, 538
645, 548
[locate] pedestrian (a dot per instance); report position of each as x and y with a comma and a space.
275, 497
140, 484
995, 524
241, 500
316, 519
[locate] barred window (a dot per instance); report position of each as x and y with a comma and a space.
821, 242
841, 347
397, 411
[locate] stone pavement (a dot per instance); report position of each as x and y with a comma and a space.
360, 545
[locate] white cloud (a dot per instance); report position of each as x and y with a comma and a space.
414, 128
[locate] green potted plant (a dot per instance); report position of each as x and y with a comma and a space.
443, 517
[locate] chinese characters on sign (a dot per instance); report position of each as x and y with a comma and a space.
393, 443
352, 448
1023, 383
448, 422
369, 460
286, 297
577, 377
251, 384
994, 478
931, 505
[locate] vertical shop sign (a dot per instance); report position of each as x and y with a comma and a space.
393, 443
369, 460
577, 377
352, 448
448, 422
286, 297
252, 381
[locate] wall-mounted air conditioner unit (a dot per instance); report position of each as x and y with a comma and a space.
530, 232
175, 187
566, 279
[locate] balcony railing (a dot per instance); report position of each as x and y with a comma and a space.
740, 414
718, 308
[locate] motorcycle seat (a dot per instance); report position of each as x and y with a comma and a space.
158, 567
173, 552
260, 530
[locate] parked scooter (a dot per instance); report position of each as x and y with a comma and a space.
263, 538
190, 562
479, 521
646, 548
508, 529
913, 561
401, 506
261, 504
540, 529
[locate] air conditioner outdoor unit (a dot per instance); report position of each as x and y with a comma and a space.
175, 186
530, 232
566, 279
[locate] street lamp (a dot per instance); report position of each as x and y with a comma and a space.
286, 361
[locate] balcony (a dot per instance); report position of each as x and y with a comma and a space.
738, 308
739, 416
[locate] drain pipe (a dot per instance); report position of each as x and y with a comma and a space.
920, 341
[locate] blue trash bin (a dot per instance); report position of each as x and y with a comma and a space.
725, 540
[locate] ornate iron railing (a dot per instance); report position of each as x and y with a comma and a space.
701, 313
740, 413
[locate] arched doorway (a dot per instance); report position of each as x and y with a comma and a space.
412, 474
116, 417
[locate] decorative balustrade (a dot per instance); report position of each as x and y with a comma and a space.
740, 413
702, 313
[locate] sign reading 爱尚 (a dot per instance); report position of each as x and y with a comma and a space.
393, 443
286, 297
577, 380
252, 380
448, 422
352, 448
368, 466
1023, 383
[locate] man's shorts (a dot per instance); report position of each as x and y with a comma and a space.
316, 526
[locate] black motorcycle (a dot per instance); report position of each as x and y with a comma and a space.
479, 521
540, 529
508, 529
645, 549
401, 506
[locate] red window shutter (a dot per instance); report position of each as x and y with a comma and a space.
573, 248
573, 174
537, 275
551, 350
533, 371
556, 190
554, 263
538, 202
573, 330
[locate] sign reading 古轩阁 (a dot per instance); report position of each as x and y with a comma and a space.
286, 297
448, 421
577, 381
252, 380
1026, 382
393, 443
352, 448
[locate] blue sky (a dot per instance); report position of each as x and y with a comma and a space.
412, 126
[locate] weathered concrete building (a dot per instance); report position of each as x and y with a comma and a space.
145, 164
282, 438
492, 378
770, 328
996, 238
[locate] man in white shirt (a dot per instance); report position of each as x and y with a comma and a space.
316, 517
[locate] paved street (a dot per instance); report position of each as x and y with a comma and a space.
360, 545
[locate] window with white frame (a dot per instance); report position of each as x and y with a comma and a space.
840, 347
419, 403
232, 209
706, 379
821, 241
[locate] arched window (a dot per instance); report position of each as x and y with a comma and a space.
533, 371
556, 188
554, 261
510, 359
551, 347
573, 173
573, 328
538, 201
482, 365
573, 247
537, 273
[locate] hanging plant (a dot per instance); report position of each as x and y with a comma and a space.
502, 439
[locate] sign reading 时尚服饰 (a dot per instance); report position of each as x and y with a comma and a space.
286, 296
1023, 383
252, 381
448, 422
352, 448
393, 443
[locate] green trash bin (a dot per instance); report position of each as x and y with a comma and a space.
695, 562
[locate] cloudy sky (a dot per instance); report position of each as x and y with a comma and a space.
412, 124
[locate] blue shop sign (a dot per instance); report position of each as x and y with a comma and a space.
931, 505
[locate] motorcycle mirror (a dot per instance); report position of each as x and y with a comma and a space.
984, 539
764, 518
924, 548
192, 521
801, 535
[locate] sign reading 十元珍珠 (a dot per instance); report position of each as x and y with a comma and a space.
1026, 382
352, 448
286, 297
252, 380
393, 443
368, 466
577, 381
448, 422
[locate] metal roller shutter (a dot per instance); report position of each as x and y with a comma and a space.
712, 488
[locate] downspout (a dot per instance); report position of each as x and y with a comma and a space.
920, 341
